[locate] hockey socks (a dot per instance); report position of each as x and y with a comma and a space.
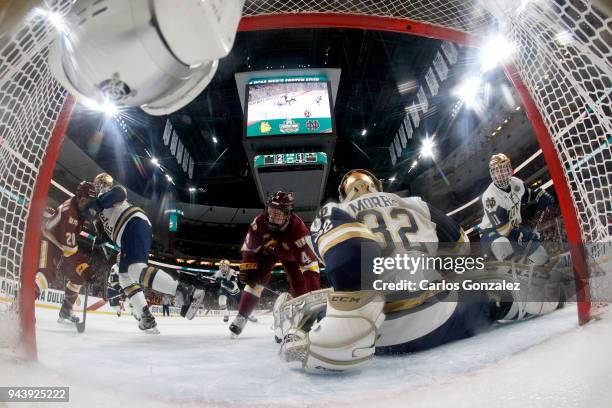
312, 280
153, 278
249, 299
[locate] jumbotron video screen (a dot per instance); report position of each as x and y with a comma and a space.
288, 106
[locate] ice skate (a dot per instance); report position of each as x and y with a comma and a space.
66, 317
147, 322
237, 325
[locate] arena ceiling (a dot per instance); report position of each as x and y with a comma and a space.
380, 74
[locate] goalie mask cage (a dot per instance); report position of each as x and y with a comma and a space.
564, 85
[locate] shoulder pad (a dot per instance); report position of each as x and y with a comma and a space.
330, 215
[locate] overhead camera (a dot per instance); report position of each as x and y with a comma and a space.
155, 54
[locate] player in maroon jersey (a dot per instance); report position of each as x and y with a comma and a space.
275, 235
58, 249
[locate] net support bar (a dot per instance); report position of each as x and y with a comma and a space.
32, 236
356, 21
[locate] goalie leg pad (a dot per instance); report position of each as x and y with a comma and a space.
540, 290
344, 339
538, 257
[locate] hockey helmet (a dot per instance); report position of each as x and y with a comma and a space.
500, 169
278, 208
102, 183
356, 183
224, 265
85, 189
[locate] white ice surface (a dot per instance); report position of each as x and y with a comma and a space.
545, 362
268, 109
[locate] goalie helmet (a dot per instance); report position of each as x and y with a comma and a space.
356, 183
102, 183
500, 169
85, 189
278, 209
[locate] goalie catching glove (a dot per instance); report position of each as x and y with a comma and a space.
343, 340
298, 313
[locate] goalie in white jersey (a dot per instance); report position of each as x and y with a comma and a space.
130, 229
358, 323
502, 234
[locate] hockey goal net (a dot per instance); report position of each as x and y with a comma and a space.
562, 71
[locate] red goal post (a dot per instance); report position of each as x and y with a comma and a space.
565, 86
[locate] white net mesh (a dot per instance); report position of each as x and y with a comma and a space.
463, 15
563, 57
565, 60
30, 102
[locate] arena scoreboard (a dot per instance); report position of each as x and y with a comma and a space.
289, 131
288, 105
289, 159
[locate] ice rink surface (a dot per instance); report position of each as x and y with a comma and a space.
269, 108
545, 362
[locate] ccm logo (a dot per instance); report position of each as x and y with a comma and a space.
346, 299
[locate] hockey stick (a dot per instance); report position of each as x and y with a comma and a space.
211, 279
81, 325
273, 291
535, 231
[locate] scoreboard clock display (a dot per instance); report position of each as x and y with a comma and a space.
288, 159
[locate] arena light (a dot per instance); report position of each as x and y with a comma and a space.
522, 6
407, 86
56, 19
414, 164
192, 189
214, 139
427, 148
495, 52
468, 91
392, 179
364, 132
155, 161
106, 106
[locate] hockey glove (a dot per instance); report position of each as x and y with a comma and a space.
92, 209
544, 199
